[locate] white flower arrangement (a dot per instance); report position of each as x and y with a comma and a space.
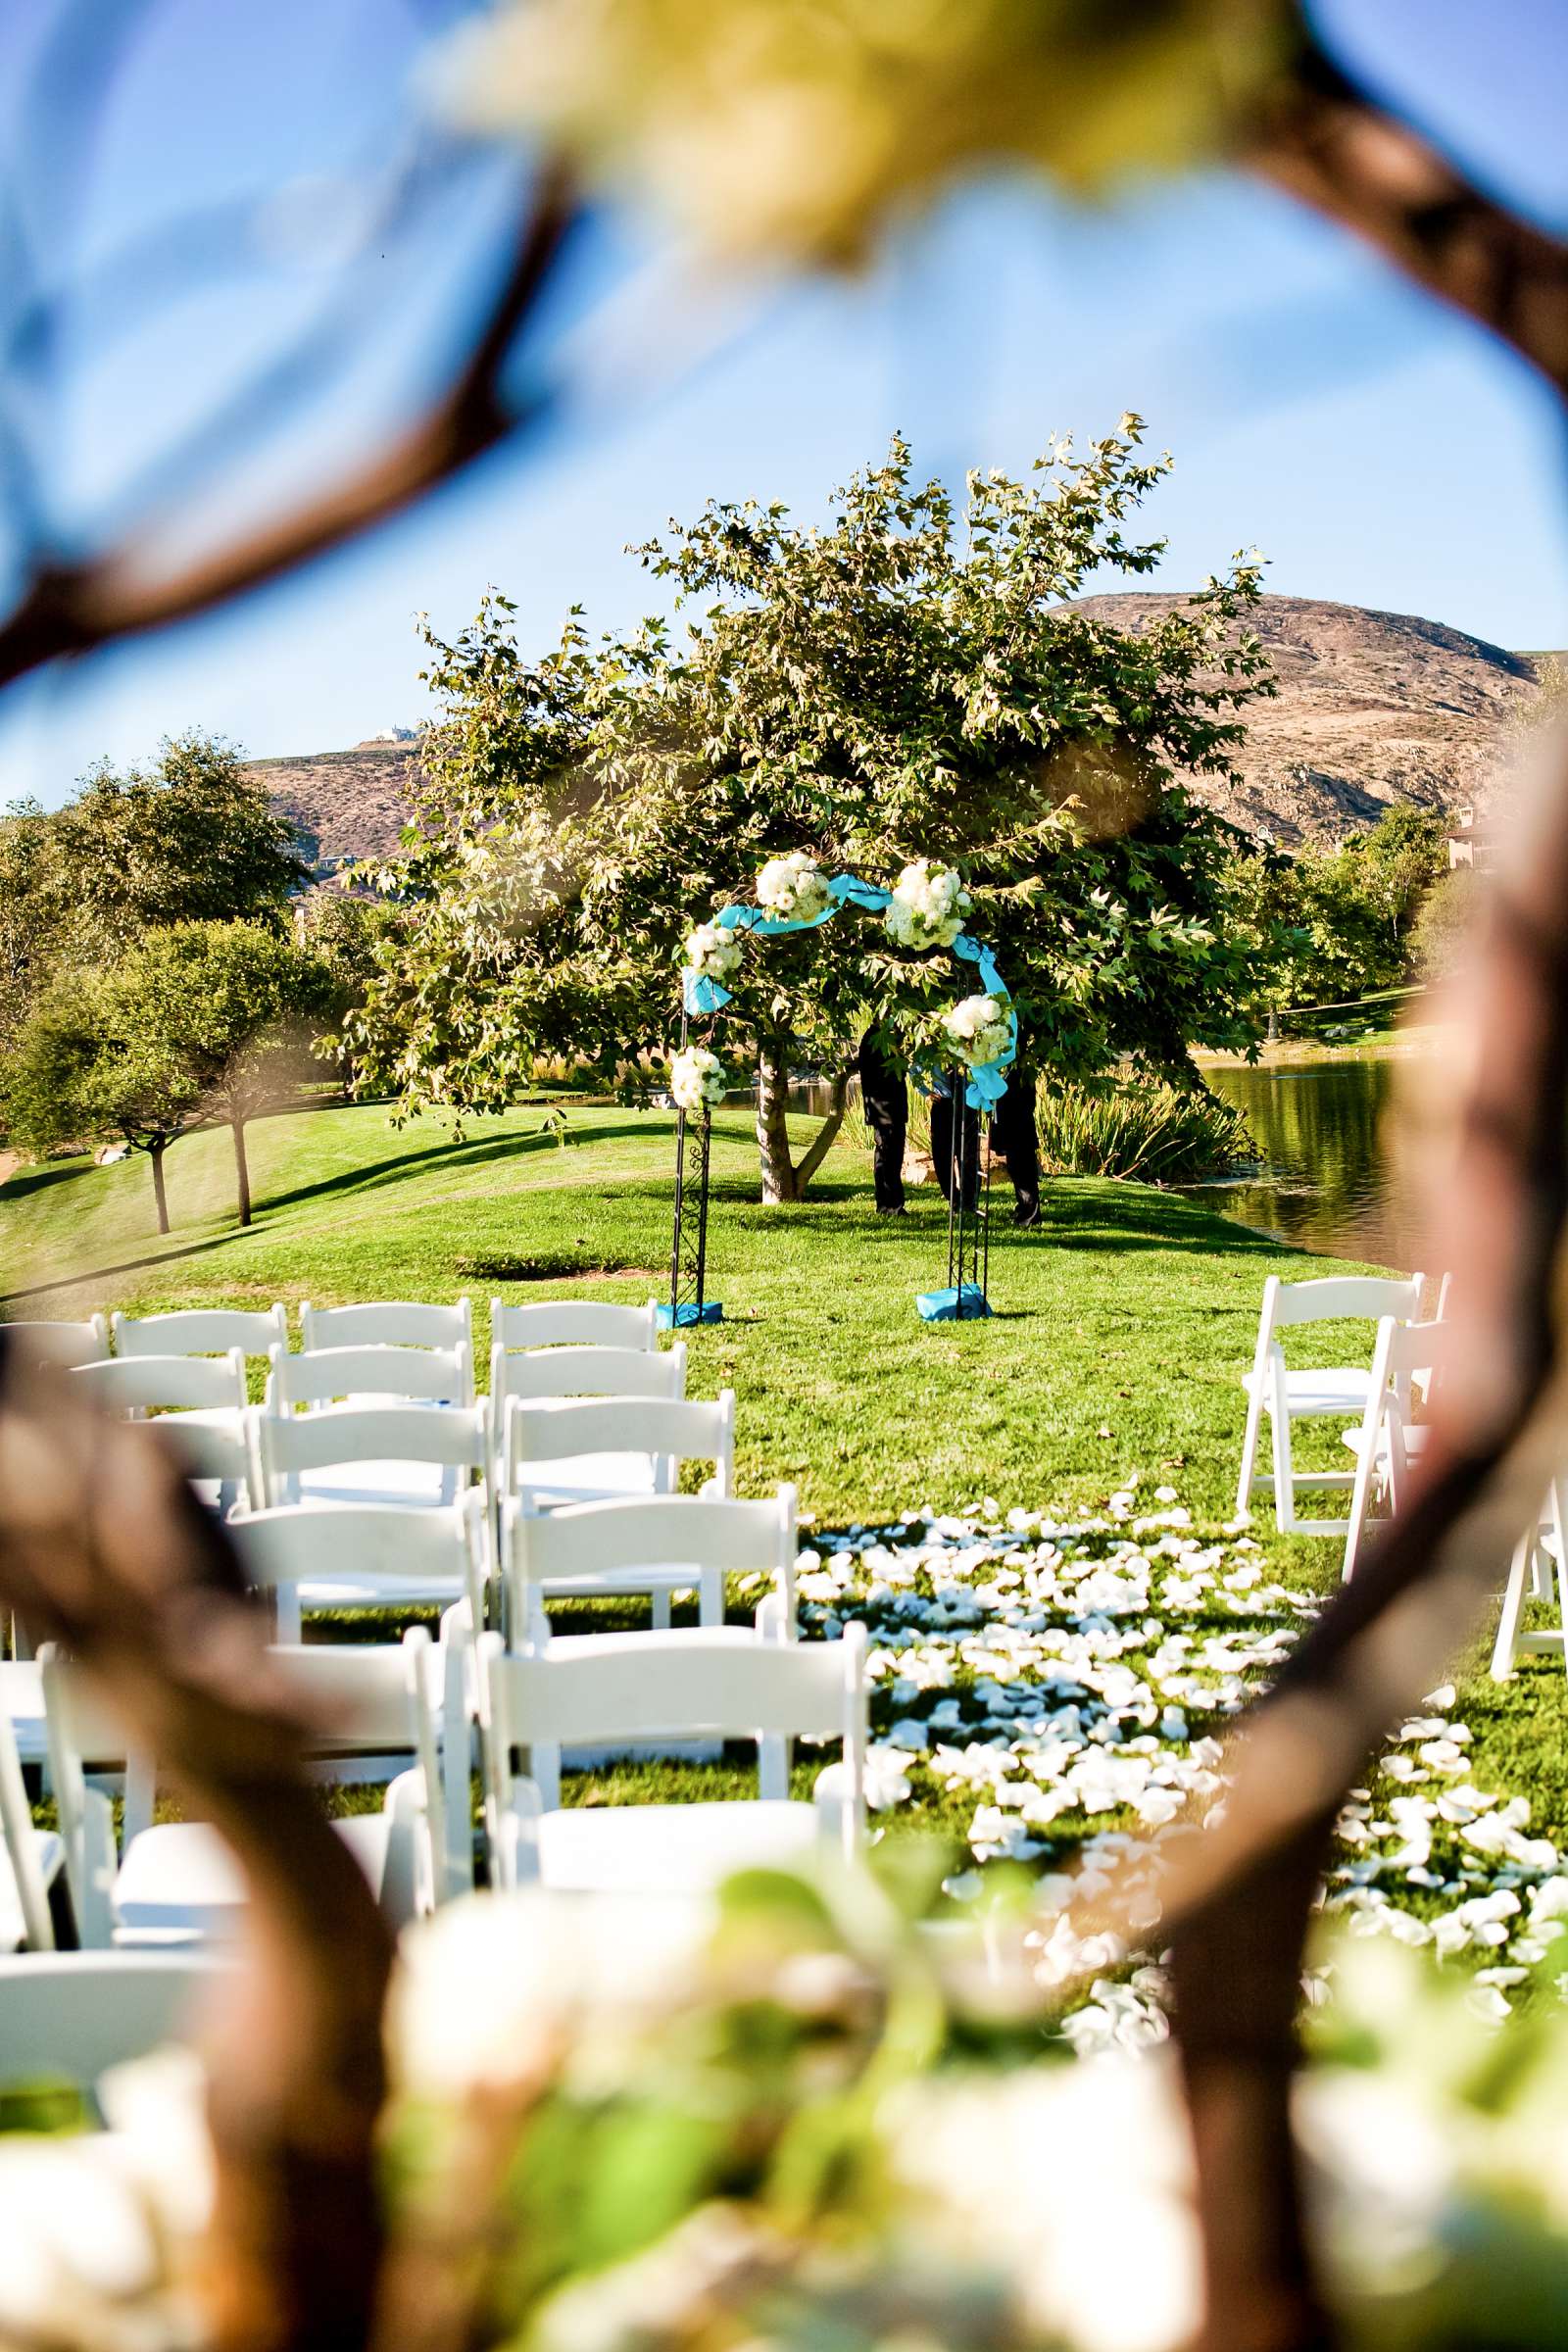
793, 889
712, 954
696, 1077
928, 905
978, 1029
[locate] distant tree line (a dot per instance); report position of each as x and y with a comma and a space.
158, 968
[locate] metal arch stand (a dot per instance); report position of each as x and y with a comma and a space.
966, 1298
688, 1302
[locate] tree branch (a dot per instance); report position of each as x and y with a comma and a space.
1325, 141
70, 610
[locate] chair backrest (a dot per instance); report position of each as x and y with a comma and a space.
661, 1685
670, 1429
74, 2015
69, 1344
136, 1384
587, 1372
342, 1543
15, 1834
1340, 1297
202, 1331
430, 1375
386, 1323
574, 1322
453, 1437
660, 1531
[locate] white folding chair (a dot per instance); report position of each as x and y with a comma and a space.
386, 1323
29, 1859
574, 1323
202, 1331
176, 1882
1339, 1392
354, 1556
585, 1372
403, 1374
71, 2016
1537, 1571
592, 1450
395, 1453
658, 1544
63, 1345
218, 1457
213, 1385
648, 1686
1387, 1440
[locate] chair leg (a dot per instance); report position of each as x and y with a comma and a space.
661, 1609
1506, 1648
1284, 1472
1360, 1502
1244, 1483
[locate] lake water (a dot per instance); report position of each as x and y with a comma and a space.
1323, 1184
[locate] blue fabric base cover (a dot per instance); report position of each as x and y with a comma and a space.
942, 1307
711, 1310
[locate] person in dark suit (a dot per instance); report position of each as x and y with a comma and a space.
884, 1094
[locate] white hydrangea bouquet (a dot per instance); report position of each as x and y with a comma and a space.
928, 905
695, 1076
977, 1029
712, 953
793, 889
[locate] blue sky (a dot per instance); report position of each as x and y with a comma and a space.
1377, 450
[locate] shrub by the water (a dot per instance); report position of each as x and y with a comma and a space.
1157, 1133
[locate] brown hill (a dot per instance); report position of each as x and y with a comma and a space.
350, 803
1372, 707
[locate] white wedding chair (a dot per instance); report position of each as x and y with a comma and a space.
176, 1882
1336, 1393
218, 1457
65, 1345
387, 1323
592, 1449
354, 1556
574, 1323
401, 1374
391, 1452
212, 1385
658, 1544
31, 1859
705, 1683
202, 1331
1537, 1571
1408, 1364
71, 2016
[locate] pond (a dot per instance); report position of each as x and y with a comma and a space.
1323, 1184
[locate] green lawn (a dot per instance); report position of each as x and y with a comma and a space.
1122, 1322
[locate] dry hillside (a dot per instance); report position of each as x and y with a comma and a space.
1372, 707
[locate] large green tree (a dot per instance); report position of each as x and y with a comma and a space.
908, 681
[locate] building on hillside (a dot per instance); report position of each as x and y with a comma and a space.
1471, 843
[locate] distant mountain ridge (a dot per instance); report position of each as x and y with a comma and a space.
1373, 708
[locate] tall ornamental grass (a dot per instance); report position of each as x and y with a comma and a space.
1150, 1130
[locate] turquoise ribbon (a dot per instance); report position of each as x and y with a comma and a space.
987, 1080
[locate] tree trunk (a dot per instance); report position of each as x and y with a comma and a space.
155, 1153
779, 1182
242, 1173
822, 1141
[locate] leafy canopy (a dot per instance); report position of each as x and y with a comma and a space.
907, 680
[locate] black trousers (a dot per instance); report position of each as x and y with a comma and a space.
885, 1097
955, 1138
1015, 1137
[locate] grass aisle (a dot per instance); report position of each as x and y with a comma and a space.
1097, 1660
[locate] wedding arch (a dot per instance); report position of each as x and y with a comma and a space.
924, 910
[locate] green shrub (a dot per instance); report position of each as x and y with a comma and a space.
1159, 1132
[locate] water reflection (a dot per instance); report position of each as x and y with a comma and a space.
1323, 1184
